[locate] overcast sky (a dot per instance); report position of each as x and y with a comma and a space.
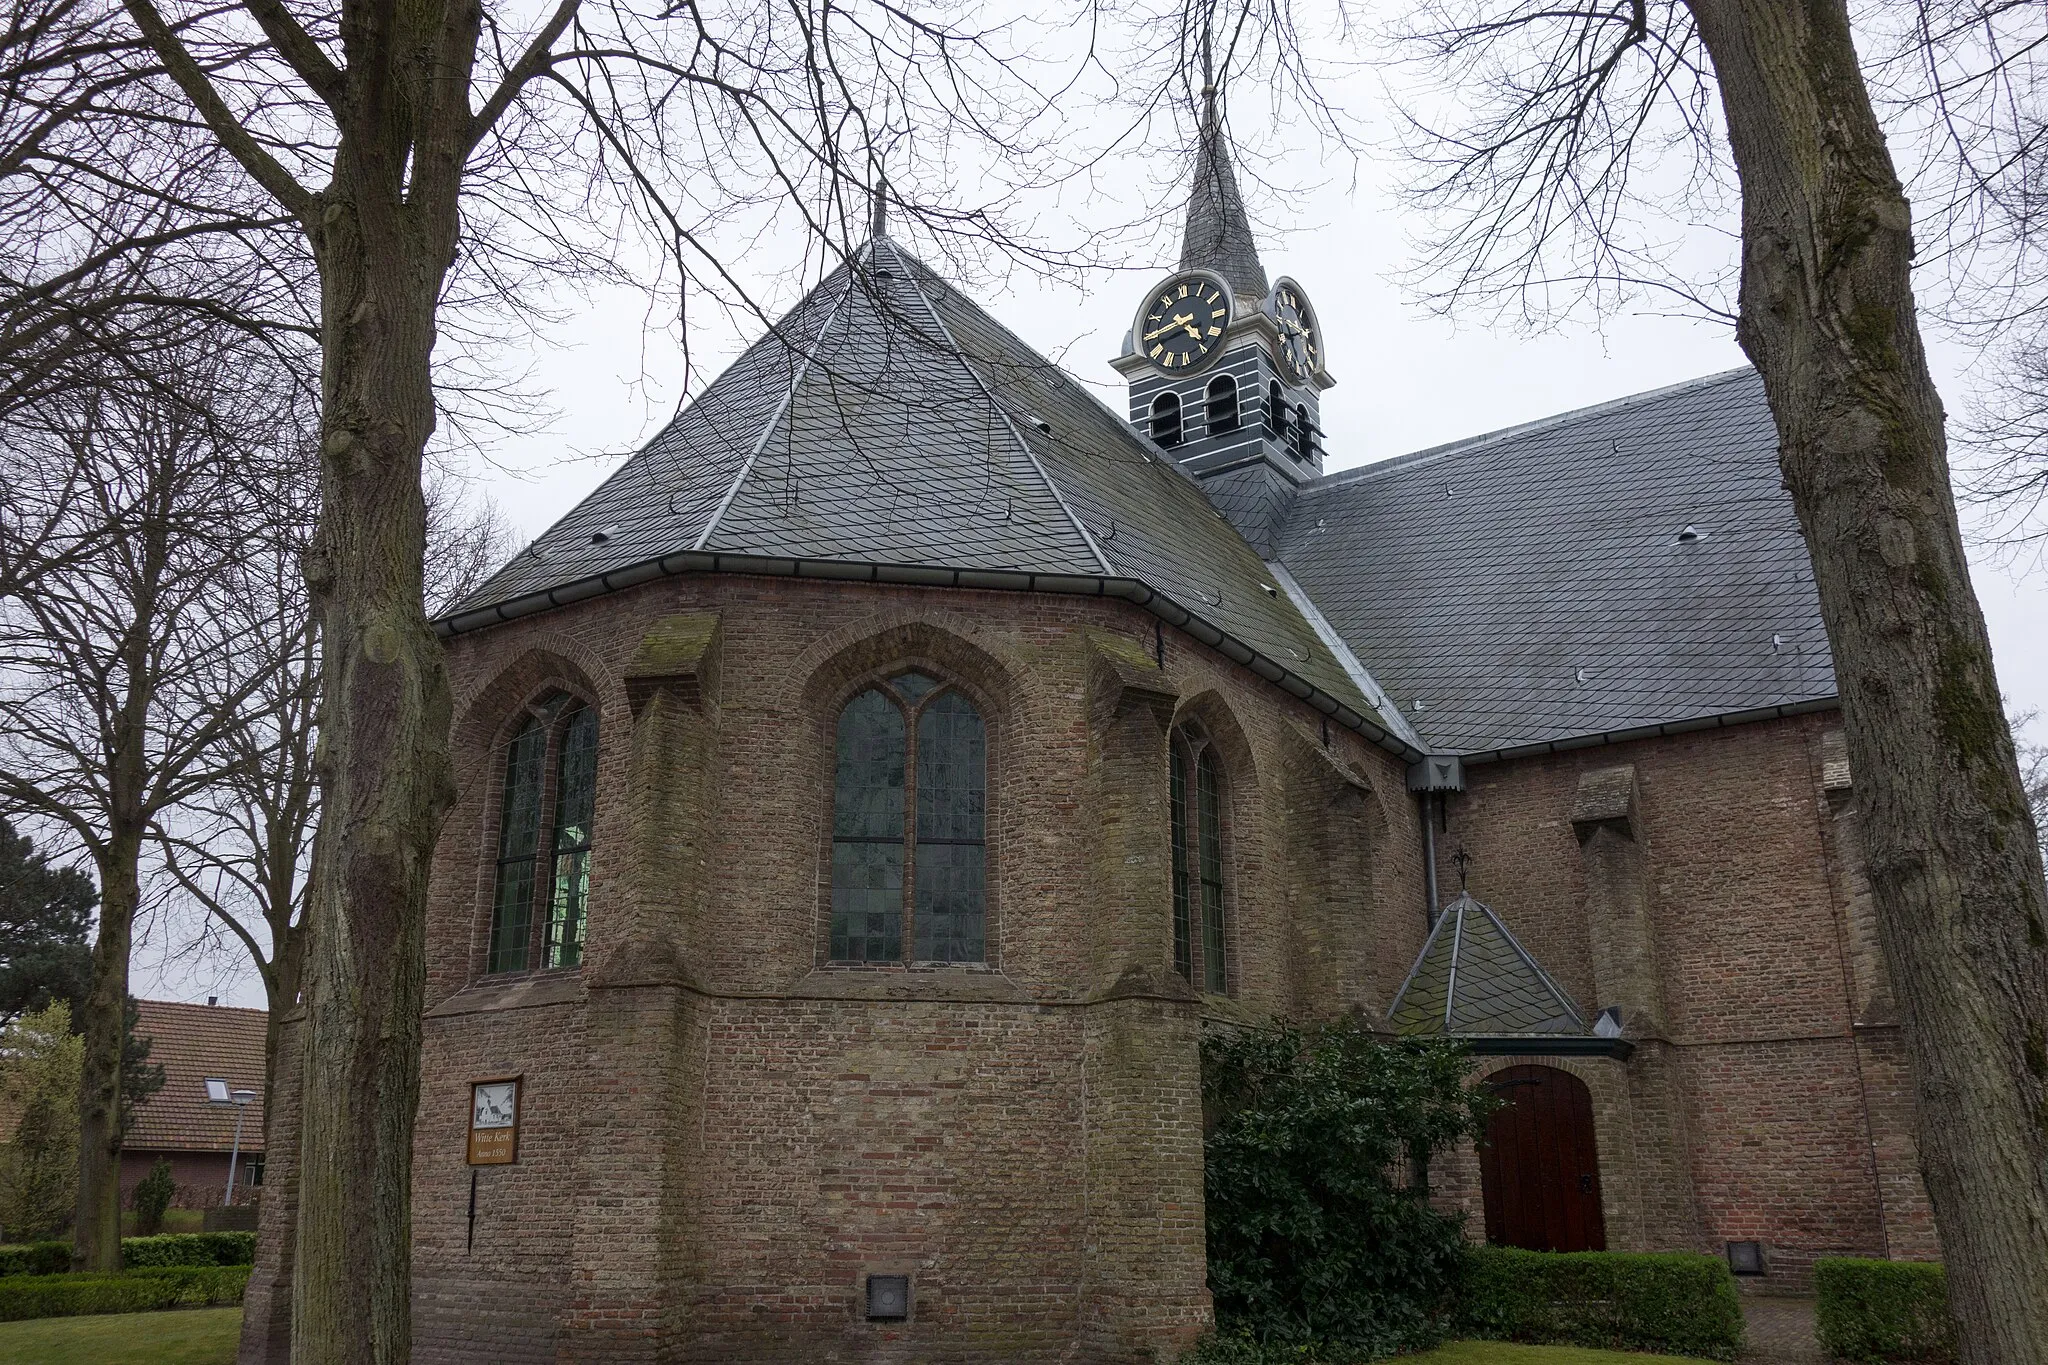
1406, 380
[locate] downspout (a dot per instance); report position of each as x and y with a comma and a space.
1423, 802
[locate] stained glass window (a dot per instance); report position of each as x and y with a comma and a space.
540, 907
952, 773
575, 804
911, 743
1183, 928
867, 831
1212, 872
1200, 937
518, 846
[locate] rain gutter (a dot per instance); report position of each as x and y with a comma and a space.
1673, 727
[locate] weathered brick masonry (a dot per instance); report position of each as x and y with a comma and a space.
1767, 1098
723, 1134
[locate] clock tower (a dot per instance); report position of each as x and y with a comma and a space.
1226, 371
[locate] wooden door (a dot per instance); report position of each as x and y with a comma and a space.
1539, 1167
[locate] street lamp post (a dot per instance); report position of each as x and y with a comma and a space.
217, 1092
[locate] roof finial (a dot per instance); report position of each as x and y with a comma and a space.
1463, 861
878, 208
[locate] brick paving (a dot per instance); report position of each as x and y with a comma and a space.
1780, 1331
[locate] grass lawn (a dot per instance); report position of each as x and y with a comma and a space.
206, 1336
193, 1336
1502, 1353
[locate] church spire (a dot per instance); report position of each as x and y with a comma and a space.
1217, 235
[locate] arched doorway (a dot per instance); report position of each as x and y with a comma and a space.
1539, 1167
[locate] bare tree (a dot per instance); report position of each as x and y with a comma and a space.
434, 155
1580, 135
117, 687
124, 225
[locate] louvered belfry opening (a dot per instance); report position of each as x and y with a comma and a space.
1166, 429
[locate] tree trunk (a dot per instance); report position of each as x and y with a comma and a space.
267, 1304
1827, 315
386, 776
96, 1228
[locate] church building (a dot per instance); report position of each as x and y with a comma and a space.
871, 793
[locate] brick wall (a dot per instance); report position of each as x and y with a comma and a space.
1785, 1097
723, 1134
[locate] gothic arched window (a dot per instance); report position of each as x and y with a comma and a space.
561, 797
909, 826
1199, 936
1222, 404
1166, 419
1304, 436
1276, 411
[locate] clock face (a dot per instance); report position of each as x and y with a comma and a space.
494, 1104
1301, 341
1183, 322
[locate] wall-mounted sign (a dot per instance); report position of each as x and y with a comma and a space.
494, 1121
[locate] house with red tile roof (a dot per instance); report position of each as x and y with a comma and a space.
195, 1044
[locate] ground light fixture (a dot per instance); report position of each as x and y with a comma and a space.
219, 1092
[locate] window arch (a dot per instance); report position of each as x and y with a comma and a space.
1222, 412
540, 903
909, 825
1304, 435
1195, 794
1276, 410
1166, 419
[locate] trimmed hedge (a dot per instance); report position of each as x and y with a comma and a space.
130, 1291
35, 1258
189, 1248
137, 1253
1882, 1311
1677, 1303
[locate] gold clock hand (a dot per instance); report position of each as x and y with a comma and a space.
1178, 320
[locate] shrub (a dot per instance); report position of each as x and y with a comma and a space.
189, 1249
153, 1194
131, 1291
1316, 1243
1677, 1303
1883, 1310
35, 1258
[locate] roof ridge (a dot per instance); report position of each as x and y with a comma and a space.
775, 418
1365, 472
195, 1005
1009, 424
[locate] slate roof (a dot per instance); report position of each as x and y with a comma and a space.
1216, 234
1535, 585
194, 1042
889, 420
1474, 979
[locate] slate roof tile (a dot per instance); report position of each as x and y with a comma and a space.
1531, 585
1473, 979
890, 420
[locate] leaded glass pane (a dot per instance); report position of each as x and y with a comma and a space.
575, 806
952, 813
952, 770
867, 795
914, 687
518, 840
1177, 799
952, 901
1212, 874
867, 831
867, 901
